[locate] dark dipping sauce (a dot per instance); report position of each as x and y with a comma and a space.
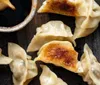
9, 17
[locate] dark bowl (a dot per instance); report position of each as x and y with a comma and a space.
21, 25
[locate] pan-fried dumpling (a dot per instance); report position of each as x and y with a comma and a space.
59, 53
66, 7
49, 78
6, 3
86, 25
3, 59
53, 30
91, 67
23, 69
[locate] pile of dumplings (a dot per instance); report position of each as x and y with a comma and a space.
55, 43
56, 49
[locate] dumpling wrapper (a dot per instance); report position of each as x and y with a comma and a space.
86, 25
23, 69
60, 53
4, 59
6, 3
49, 78
53, 30
32, 71
91, 67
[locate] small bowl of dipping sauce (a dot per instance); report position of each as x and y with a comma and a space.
17, 16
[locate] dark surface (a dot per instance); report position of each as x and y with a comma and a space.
24, 36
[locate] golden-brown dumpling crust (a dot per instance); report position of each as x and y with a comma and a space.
64, 7
59, 53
